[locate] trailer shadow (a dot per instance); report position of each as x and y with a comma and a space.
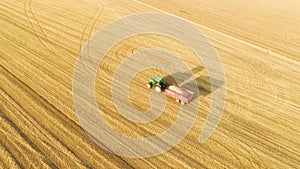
205, 84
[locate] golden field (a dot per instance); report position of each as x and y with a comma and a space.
258, 43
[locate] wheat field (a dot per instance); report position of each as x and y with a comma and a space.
258, 44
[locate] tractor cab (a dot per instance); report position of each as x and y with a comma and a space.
158, 83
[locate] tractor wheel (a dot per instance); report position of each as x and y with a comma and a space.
157, 89
149, 85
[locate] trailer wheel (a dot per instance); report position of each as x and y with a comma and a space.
177, 100
182, 103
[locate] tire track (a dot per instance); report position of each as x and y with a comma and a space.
19, 146
56, 140
39, 131
48, 21
259, 137
9, 150
259, 141
91, 24
37, 28
271, 53
16, 71
253, 153
109, 69
31, 158
24, 137
42, 131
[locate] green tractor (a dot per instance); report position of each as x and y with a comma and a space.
158, 83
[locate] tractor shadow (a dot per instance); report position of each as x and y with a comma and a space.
182, 76
204, 83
